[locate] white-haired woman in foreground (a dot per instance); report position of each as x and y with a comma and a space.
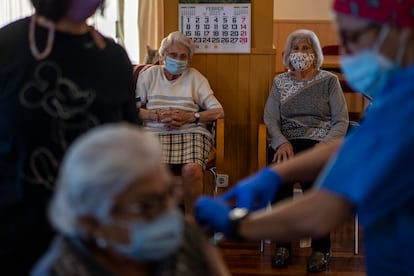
115, 210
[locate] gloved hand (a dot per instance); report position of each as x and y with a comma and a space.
255, 191
213, 214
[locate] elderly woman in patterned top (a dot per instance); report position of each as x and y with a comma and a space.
305, 108
177, 102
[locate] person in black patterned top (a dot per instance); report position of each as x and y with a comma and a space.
58, 78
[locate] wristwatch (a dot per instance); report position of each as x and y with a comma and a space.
236, 216
197, 117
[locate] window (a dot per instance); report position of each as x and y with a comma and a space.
11, 10
108, 24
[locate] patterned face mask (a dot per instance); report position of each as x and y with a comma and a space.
301, 61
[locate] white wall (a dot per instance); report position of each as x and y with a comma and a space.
302, 9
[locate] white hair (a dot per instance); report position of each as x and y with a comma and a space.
97, 167
177, 37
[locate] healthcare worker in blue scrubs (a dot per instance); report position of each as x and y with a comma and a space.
369, 173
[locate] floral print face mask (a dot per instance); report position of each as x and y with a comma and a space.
301, 61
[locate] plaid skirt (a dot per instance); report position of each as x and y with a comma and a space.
185, 148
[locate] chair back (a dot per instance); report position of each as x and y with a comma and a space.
331, 50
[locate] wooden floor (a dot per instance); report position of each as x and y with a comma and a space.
246, 258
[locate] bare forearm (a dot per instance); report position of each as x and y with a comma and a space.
148, 115
317, 213
175, 118
211, 115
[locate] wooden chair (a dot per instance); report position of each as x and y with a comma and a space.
331, 53
216, 157
355, 101
262, 158
332, 50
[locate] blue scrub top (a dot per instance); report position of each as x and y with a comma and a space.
374, 170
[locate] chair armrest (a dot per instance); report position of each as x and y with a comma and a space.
262, 147
220, 143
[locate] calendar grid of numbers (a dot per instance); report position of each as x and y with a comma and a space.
217, 28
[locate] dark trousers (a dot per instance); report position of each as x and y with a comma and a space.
322, 244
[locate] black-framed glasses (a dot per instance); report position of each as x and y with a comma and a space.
353, 37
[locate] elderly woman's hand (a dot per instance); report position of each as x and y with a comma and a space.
283, 153
174, 118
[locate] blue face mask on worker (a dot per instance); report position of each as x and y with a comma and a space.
175, 66
155, 239
369, 71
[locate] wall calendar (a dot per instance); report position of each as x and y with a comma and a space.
217, 27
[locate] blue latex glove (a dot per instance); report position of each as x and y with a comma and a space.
255, 191
213, 214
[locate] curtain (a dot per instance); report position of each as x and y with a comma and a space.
120, 30
150, 25
11, 10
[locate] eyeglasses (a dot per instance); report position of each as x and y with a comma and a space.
179, 56
353, 37
150, 207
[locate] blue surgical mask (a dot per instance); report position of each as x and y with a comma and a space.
175, 66
369, 71
155, 239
